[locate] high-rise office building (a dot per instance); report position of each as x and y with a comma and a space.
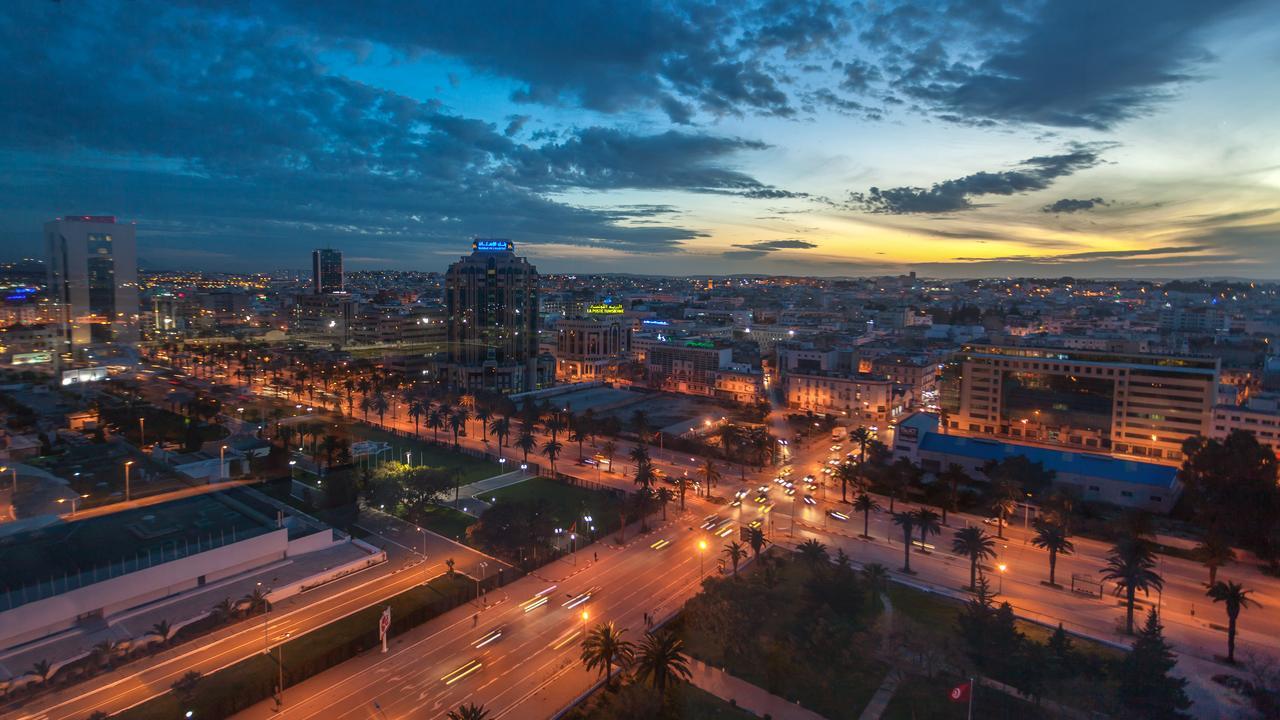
93, 276
491, 297
326, 271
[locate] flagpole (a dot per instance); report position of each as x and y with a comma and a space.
973, 688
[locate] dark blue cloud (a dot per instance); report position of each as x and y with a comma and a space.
1035, 173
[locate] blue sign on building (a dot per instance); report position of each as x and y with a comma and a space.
493, 246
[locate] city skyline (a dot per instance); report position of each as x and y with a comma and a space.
805, 139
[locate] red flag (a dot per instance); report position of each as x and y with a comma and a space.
961, 692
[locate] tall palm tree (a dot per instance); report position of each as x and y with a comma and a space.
482, 415
501, 429
1004, 501
416, 410
813, 553
736, 554
1131, 566
1052, 537
469, 712
379, 404
866, 504
877, 577
551, 449
665, 496
952, 478
526, 442
928, 522
661, 659
256, 601
644, 475
862, 436
1214, 552
906, 521
1235, 598
608, 449
366, 404
710, 475
458, 422
756, 540
41, 669
975, 544
554, 424
603, 648
162, 629
848, 473
436, 421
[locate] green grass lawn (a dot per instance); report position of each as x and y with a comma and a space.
426, 453
683, 701
568, 503
251, 681
445, 521
937, 611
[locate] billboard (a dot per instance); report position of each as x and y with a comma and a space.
31, 358
83, 375
493, 245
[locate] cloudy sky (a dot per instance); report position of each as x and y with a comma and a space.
1090, 138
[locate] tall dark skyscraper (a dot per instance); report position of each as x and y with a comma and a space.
326, 271
492, 300
93, 276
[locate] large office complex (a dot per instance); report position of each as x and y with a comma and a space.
491, 297
93, 278
326, 271
1142, 406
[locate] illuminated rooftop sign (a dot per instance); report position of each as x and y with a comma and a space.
603, 309
493, 246
700, 344
655, 322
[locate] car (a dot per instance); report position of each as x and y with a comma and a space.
660, 544
763, 489
996, 521
791, 492
761, 498
808, 500
838, 515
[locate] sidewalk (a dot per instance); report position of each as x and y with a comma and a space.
747, 696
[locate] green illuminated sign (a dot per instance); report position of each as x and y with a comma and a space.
700, 344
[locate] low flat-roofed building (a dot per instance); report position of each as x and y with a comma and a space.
1088, 476
79, 573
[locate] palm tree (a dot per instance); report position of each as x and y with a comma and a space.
608, 449
501, 429
906, 521
813, 553
848, 473
710, 475
644, 475
256, 601
526, 442
551, 449
469, 712
665, 496
162, 629
416, 410
1131, 566
483, 414
458, 422
866, 505
1235, 598
554, 425
927, 521
603, 648
366, 404
41, 669
862, 436
952, 478
661, 659
224, 609
975, 544
877, 577
105, 652
1004, 501
1214, 552
736, 554
436, 421
379, 404
1052, 537
757, 541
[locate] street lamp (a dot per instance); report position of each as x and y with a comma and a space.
1003, 568
222, 463
424, 555
280, 669
127, 464
585, 615
702, 553
73, 498
142, 431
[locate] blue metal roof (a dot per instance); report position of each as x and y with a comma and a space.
1064, 462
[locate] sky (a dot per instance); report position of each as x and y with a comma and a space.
796, 137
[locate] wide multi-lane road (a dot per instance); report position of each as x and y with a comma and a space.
519, 657
143, 679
